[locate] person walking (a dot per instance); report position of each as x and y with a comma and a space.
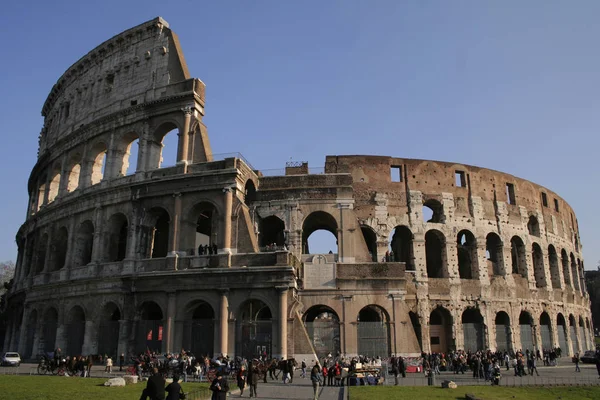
241, 379
219, 387
121, 361
576, 359
315, 377
303, 374
173, 389
253, 379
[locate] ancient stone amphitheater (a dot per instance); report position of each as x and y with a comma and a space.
211, 255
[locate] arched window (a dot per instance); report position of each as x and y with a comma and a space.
60, 243
162, 152
249, 192
159, 240
518, 256
98, 157
41, 196
126, 154
538, 265
565, 266
401, 246
40, 257
74, 173
371, 241
466, 248
433, 211
533, 226
207, 227
54, 184
554, 268
319, 233
116, 246
435, 249
494, 255
271, 233
84, 243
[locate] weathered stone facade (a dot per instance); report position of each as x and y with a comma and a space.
111, 263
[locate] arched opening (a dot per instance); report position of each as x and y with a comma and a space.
60, 242
494, 255
32, 321
249, 192
581, 276
466, 248
254, 330
416, 324
473, 330
371, 241
573, 332
319, 233
199, 332
433, 211
373, 332
533, 226
108, 330
538, 265
526, 329
150, 328
435, 249
116, 246
546, 331
49, 330
41, 196
440, 330
162, 152
401, 246
207, 227
323, 327
554, 268
518, 256
98, 158
503, 333
582, 335
126, 154
75, 331
74, 172
84, 244
54, 184
561, 327
565, 266
271, 233
574, 274
40, 258
158, 233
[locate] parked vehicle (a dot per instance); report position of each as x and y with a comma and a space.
589, 357
11, 359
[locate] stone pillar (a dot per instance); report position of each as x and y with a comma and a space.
226, 245
283, 306
169, 331
23, 334
223, 322
182, 149
48, 251
90, 338
124, 330
98, 231
175, 224
452, 261
420, 258
36, 348
483, 275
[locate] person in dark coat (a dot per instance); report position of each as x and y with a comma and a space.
155, 388
253, 375
241, 379
219, 387
173, 389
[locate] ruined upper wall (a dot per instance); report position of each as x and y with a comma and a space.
373, 174
126, 70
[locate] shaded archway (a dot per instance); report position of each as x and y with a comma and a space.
565, 266
401, 246
466, 248
40, 256
75, 331
573, 333
50, 323
473, 330
74, 172
54, 184
249, 192
440, 330
271, 232
561, 327
526, 329
436, 258
58, 256
433, 211
494, 254
323, 327
98, 162
318, 221
416, 324
116, 235
84, 244
199, 329
554, 268
162, 151
574, 274
582, 335
546, 331
371, 241
126, 154
31, 331
518, 256
108, 330
373, 332
150, 328
207, 227
503, 332
538, 265
533, 226
158, 236
254, 327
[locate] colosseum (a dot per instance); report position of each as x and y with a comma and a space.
211, 255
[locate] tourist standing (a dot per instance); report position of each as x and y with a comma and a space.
315, 377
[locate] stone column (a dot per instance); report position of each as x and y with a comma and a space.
226, 245
98, 231
90, 338
223, 322
175, 224
483, 274
283, 305
452, 261
124, 330
169, 331
182, 150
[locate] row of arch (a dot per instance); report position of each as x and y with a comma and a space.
107, 159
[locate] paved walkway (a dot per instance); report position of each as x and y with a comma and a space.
299, 389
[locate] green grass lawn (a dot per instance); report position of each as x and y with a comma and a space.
483, 392
63, 387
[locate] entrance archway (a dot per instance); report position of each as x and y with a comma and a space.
49, 332
440, 330
546, 331
323, 327
319, 221
373, 332
272, 231
401, 245
254, 329
472, 322
371, 241
199, 332
75, 331
573, 332
150, 328
30, 334
526, 329
435, 254
108, 330
503, 333
561, 326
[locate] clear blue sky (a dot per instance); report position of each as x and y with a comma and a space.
506, 85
